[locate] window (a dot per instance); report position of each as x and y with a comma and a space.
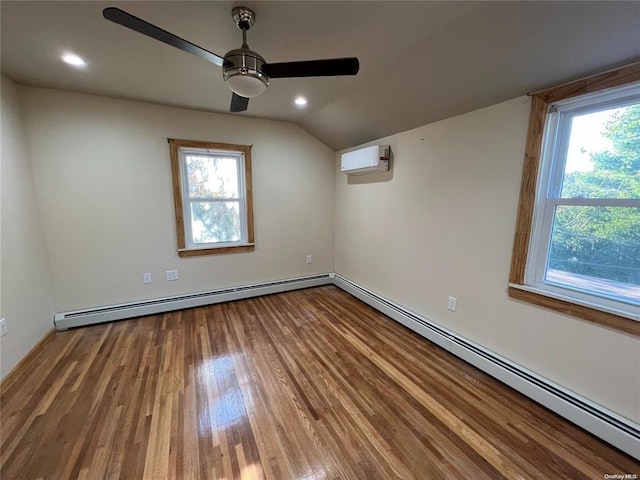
577, 246
212, 197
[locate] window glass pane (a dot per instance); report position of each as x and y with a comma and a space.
597, 249
603, 158
212, 176
213, 222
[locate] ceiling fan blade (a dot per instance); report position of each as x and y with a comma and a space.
313, 68
238, 103
137, 24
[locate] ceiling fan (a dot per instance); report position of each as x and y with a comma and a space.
245, 71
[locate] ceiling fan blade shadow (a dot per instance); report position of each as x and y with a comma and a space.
313, 68
141, 26
238, 103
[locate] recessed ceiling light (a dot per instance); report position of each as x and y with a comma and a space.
74, 60
300, 101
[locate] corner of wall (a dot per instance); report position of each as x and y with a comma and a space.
26, 294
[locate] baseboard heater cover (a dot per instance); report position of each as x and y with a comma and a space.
603, 423
428, 329
78, 318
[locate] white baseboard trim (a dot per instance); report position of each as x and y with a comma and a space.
601, 422
78, 318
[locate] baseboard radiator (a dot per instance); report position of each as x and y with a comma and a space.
78, 318
605, 424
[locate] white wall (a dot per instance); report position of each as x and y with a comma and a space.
103, 177
442, 223
26, 299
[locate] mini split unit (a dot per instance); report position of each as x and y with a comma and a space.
366, 160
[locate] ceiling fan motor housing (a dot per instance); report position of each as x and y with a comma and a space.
243, 72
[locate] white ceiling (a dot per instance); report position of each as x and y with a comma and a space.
419, 61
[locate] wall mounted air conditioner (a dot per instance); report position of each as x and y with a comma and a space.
366, 160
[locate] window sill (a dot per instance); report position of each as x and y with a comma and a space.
608, 318
196, 252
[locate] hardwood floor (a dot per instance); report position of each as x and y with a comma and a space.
311, 384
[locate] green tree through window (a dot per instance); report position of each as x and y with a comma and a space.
216, 218
603, 241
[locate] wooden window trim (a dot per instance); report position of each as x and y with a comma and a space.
183, 251
539, 106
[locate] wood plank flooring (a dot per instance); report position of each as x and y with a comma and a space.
305, 385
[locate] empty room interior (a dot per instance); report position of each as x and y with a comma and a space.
320, 240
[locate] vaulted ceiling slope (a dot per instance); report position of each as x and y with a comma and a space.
420, 61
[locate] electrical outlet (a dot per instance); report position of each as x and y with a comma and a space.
3, 327
452, 304
309, 258
172, 275
146, 278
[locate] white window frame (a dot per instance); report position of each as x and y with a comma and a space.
180, 150
187, 200
552, 167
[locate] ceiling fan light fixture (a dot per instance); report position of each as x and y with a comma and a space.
243, 73
246, 83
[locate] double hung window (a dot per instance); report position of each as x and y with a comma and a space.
578, 245
212, 196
